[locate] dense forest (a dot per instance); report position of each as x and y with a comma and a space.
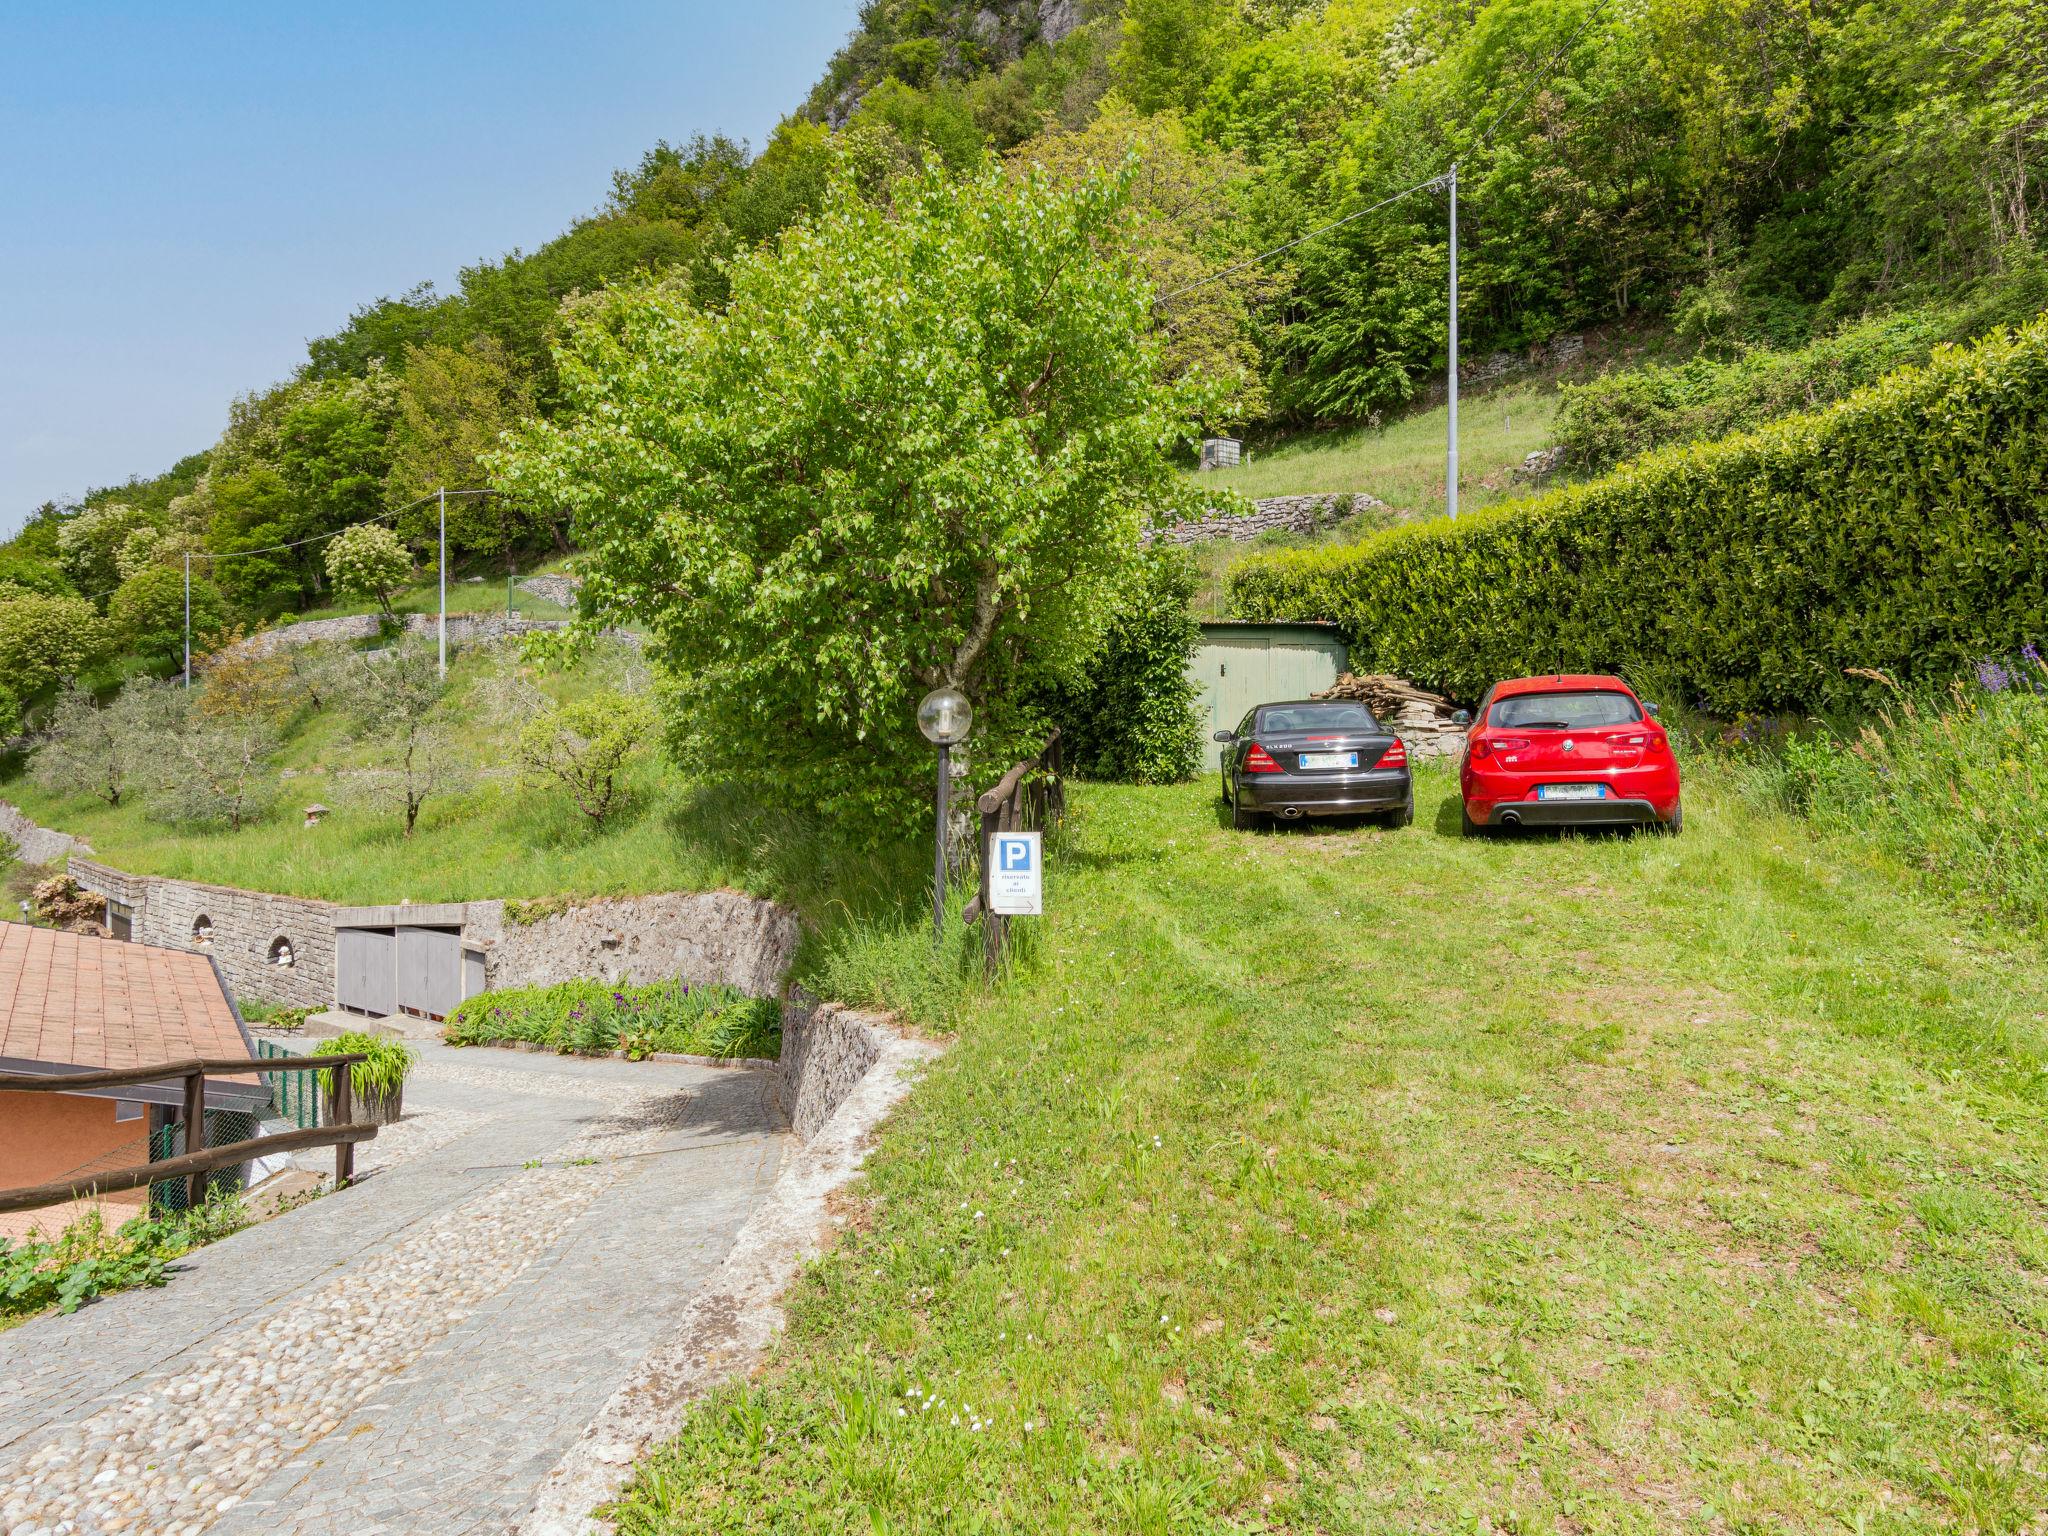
1745, 177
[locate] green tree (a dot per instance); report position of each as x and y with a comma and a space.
584, 746
98, 749
368, 561
47, 639
453, 405
89, 545
148, 613
913, 449
1130, 717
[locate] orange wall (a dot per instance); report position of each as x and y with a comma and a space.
47, 1136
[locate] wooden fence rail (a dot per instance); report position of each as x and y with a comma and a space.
340, 1132
1031, 796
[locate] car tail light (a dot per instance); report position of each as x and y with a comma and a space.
1486, 746
1649, 741
1395, 756
1259, 760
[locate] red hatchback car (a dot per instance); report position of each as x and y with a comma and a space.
1567, 751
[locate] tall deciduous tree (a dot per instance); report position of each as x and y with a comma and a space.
915, 448
453, 404
368, 561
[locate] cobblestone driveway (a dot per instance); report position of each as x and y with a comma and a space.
413, 1354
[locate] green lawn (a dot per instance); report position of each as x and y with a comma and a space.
1402, 463
1345, 1180
479, 590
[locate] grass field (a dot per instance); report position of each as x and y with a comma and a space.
1402, 463
497, 838
1345, 1180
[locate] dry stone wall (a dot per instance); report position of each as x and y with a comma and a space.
1275, 514
463, 629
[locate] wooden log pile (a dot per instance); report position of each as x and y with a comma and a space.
1420, 718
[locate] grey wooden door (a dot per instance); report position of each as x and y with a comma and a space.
472, 972
429, 970
365, 973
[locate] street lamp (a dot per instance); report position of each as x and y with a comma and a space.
944, 717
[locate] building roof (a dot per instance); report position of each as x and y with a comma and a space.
76, 1002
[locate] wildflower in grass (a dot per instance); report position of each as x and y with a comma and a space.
1994, 677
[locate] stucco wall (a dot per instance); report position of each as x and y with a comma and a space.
49, 1136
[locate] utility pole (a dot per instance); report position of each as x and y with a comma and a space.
188, 618
442, 496
1451, 453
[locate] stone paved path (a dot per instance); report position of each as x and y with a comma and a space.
412, 1354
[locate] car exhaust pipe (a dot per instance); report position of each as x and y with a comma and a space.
1291, 813
1511, 818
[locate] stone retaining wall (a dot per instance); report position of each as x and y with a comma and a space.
556, 589
463, 629
717, 936
38, 845
245, 927
1275, 514
827, 1049
710, 936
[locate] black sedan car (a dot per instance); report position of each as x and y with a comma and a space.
1315, 757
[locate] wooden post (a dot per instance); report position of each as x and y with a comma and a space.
340, 1113
195, 1135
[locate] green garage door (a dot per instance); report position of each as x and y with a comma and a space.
1238, 666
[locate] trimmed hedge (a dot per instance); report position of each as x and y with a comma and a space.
1904, 528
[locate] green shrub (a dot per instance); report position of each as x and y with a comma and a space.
1131, 717
1952, 784
1611, 419
384, 1073
44, 639
148, 612
1901, 529
594, 1017
86, 1260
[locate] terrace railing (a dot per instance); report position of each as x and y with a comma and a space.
341, 1132
1031, 796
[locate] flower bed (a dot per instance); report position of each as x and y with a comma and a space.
595, 1018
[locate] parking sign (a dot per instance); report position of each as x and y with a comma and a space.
1016, 876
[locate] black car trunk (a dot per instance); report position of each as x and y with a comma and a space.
1316, 753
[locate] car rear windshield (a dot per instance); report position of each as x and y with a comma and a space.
1337, 715
1565, 711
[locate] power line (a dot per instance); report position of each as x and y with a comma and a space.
381, 517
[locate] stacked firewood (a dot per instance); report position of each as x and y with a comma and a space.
1420, 718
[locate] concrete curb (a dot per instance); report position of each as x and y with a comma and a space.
729, 1326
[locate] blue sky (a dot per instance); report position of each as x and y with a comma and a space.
189, 191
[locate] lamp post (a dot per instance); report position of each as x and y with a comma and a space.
945, 717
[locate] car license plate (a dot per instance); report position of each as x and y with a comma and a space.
1571, 792
1329, 759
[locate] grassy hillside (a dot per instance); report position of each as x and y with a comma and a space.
1344, 1180
1402, 462
499, 839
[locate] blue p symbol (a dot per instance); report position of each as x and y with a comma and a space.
1016, 853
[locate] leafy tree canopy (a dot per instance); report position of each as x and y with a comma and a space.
914, 448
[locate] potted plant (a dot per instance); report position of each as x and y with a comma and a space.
377, 1084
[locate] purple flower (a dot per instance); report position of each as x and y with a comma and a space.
2030, 653
1994, 677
